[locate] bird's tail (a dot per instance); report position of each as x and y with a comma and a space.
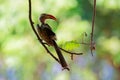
60, 56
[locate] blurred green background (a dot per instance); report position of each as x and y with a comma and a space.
23, 58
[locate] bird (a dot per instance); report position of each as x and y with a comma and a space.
47, 35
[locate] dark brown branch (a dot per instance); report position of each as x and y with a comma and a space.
92, 47
70, 52
32, 25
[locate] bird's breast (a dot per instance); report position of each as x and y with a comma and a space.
45, 34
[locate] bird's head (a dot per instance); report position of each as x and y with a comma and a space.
45, 16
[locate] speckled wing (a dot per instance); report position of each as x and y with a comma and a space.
46, 34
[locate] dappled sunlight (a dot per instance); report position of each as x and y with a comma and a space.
111, 45
62, 76
76, 28
109, 4
12, 61
22, 57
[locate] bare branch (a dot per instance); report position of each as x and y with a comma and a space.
32, 25
92, 47
71, 52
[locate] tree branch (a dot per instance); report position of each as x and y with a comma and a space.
92, 44
32, 25
70, 52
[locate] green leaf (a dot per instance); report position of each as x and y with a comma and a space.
70, 45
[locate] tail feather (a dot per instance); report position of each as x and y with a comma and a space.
60, 56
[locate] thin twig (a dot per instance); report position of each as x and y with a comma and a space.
71, 56
32, 25
70, 52
93, 21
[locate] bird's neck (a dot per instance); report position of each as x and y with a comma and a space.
45, 25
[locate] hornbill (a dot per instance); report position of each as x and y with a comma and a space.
46, 33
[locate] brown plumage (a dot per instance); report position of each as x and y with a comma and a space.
46, 33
